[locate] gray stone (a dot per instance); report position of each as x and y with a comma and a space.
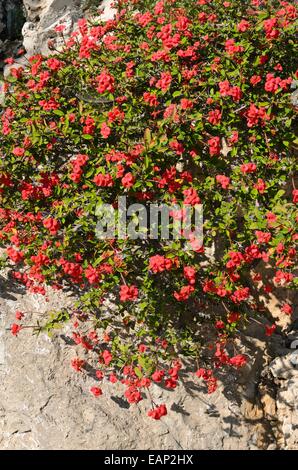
44, 404
285, 367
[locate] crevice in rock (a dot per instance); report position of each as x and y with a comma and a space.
12, 20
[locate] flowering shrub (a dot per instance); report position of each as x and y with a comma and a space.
181, 102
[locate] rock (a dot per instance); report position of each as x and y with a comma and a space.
285, 367
44, 15
287, 413
269, 405
12, 19
285, 371
44, 404
252, 411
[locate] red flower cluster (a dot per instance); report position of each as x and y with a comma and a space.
96, 391
105, 82
52, 225
128, 293
158, 412
77, 167
223, 180
214, 146
158, 264
256, 116
208, 377
226, 89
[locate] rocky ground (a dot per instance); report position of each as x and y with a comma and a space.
44, 404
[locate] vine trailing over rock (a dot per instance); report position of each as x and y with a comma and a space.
175, 102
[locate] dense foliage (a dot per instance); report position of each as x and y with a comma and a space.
179, 101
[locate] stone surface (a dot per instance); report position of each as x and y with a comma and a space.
285, 367
44, 404
12, 19
44, 15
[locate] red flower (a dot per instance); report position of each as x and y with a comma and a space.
60, 27
214, 117
269, 330
248, 167
236, 93
105, 130
142, 348
19, 315
272, 83
192, 197
128, 293
256, 116
99, 374
260, 186
233, 317
105, 82
238, 361
234, 138
271, 218
184, 293
151, 99
49, 105
287, 309
92, 275
113, 378
103, 180
14, 255
224, 88
223, 180
255, 79
209, 378
232, 48
52, 225
263, 237
186, 104
128, 180
133, 395
165, 81
18, 151
9, 60
116, 115
54, 64
158, 412
15, 329
214, 146
177, 146
77, 364
158, 263
107, 357
240, 294
243, 26
270, 27
190, 274
171, 383
158, 375
96, 391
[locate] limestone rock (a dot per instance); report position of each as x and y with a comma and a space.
285, 367
44, 404
12, 18
44, 15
